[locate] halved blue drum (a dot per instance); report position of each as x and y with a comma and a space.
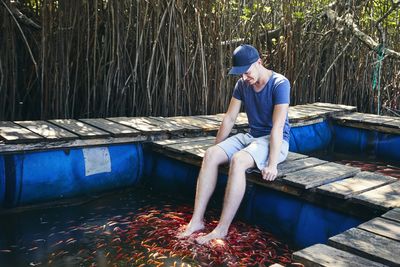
52, 175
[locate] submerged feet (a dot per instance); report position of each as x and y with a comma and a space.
194, 227
215, 234
190, 229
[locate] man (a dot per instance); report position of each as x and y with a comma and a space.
265, 95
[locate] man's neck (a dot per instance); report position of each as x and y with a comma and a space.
263, 80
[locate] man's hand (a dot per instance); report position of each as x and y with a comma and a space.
269, 173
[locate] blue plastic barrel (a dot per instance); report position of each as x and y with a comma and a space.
2, 181
51, 175
176, 177
387, 146
309, 138
352, 140
299, 222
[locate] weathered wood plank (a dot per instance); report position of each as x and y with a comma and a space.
338, 106
312, 110
368, 245
301, 123
393, 214
297, 165
173, 126
143, 124
298, 115
47, 130
383, 227
116, 129
217, 117
13, 133
167, 142
334, 110
386, 128
199, 151
241, 120
361, 182
395, 123
320, 175
365, 118
295, 156
323, 255
379, 123
205, 125
79, 128
190, 146
384, 197
74, 143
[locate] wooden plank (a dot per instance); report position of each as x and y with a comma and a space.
334, 110
368, 245
173, 126
167, 142
241, 120
13, 133
387, 128
394, 123
79, 128
383, 227
143, 124
323, 255
295, 156
320, 175
47, 130
365, 118
114, 128
361, 182
192, 150
306, 122
338, 106
74, 143
205, 125
298, 115
312, 110
384, 197
216, 117
198, 151
190, 146
297, 165
375, 122
292, 166
393, 214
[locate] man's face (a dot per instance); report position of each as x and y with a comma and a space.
251, 75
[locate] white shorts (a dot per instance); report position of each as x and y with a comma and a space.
258, 148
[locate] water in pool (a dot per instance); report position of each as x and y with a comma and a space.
133, 228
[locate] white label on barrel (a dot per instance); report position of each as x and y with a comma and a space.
97, 160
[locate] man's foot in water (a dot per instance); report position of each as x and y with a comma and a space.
190, 229
215, 234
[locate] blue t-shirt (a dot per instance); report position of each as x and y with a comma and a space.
259, 106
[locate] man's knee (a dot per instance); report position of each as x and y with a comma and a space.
215, 155
241, 161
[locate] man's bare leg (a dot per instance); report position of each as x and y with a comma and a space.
234, 193
206, 182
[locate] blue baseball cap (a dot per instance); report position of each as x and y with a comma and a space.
242, 58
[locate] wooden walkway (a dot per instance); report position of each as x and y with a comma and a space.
339, 187
23, 136
335, 186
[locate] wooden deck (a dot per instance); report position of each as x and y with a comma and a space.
335, 186
339, 187
23, 136
383, 124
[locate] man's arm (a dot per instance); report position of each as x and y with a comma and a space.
228, 120
278, 122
